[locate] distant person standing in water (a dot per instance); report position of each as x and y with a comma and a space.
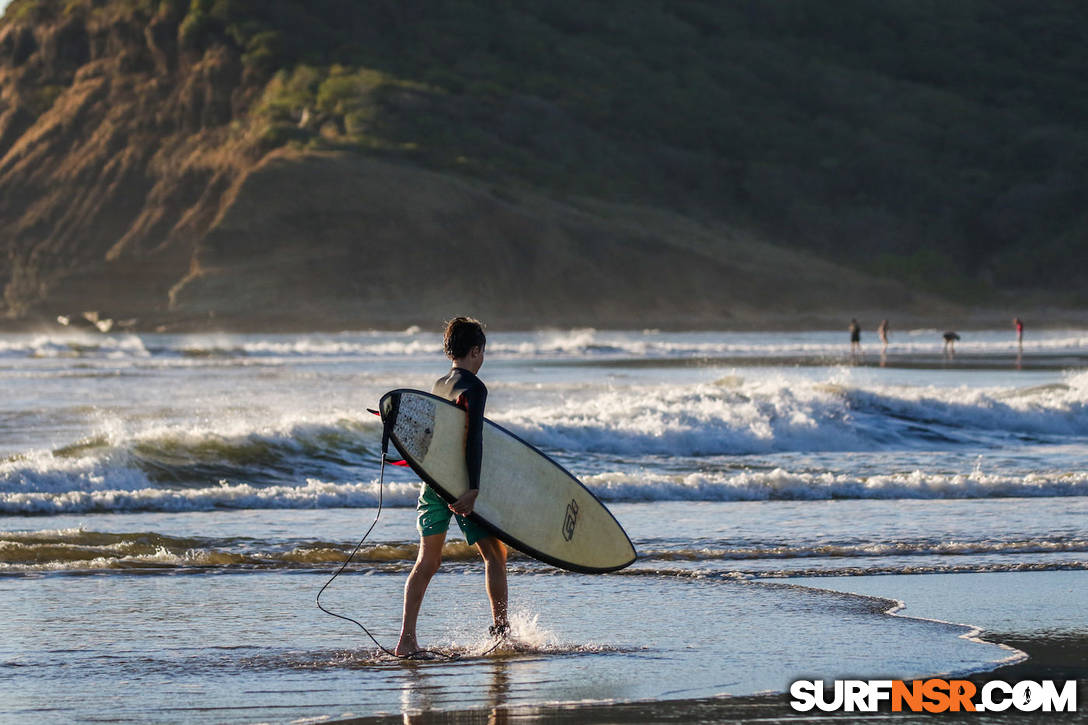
1019, 325
950, 343
882, 331
855, 337
464, 342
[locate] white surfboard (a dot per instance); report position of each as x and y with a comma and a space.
526, 499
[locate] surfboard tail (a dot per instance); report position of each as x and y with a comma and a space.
386, 428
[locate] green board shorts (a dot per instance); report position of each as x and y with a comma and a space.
433, 517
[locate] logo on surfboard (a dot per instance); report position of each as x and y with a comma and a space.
570, 520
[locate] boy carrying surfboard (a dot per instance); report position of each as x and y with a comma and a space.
464, 342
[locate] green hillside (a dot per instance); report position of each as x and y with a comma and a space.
944, 145
925, 138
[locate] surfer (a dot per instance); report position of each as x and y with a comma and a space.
464, 343
1019, 325
882, 331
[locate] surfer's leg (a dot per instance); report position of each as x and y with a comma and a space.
494, 554
427, 562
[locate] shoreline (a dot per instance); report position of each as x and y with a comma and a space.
1059, 657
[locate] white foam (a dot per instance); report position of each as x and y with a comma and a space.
73, 343
782, 414
780, 484
574, 343
766, 415
313, 494
777, 484
111, 457
42, 473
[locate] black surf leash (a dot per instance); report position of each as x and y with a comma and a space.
418, 654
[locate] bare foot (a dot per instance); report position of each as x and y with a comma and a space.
406, 647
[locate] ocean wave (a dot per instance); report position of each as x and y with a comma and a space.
283, 452
579, 343
312, 494
776, 414
122, 465
74, 344
878, 549
89, 345
79, 549
590, 343
773, 485
783, 485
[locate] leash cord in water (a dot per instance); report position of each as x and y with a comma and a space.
417, 653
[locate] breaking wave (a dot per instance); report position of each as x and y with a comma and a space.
774, 485
285, 453
619, 441
311, 494
782, 485
736, 417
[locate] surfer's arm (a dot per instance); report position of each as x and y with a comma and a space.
474, 440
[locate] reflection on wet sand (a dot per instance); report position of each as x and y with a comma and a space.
418, 706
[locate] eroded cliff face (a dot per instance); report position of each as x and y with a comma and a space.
117, 152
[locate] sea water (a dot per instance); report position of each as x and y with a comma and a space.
170, 506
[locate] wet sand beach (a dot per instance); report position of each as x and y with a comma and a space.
1049, 658
1057, 658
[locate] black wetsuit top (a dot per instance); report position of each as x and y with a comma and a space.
467, 391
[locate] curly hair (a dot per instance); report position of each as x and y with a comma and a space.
462, 334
